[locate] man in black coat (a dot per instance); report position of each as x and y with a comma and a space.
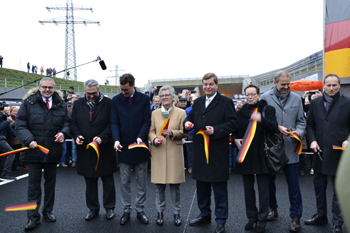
215, 114
42, 120
328, 125
91, 121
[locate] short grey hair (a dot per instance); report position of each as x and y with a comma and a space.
91, 83
170, 88
48, 79
156, 97
279, 74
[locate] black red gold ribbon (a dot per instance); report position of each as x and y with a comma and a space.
300, 146
164, 127
41, 148
247, 140
339, 148
141, 145
28, 206
206, 143
94, 145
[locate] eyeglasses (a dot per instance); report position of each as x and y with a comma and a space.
166, 95
252, 94
45, 87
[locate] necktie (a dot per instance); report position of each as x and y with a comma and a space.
207, 103
47, 104
130, 98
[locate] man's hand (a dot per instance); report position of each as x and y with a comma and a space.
157, 141
209, 130
69, 96
117, 146
318, 93
98, 140
138, 140
345, 143
315, 147
59, 137
295, 132
79, 140
189, 125
167, 132
256, 117
154, 89
306, 93
33, 144
284, 131
9, 118
238, 143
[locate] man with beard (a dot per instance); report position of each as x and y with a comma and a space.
289, 114
90, 122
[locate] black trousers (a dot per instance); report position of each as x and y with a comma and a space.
253, 214
34, 187
320, 183
91, 193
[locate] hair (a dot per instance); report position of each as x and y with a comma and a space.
91, 83
240, 100
167, 87
279, 74
254, 86
127, 78
48, 79
331, 75
209, 76
156, 97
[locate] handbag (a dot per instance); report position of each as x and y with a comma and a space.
276, 158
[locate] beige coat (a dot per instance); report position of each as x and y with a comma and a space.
167, 158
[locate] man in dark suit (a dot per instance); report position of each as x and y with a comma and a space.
328, 125
90, 122
131, 120
215, 114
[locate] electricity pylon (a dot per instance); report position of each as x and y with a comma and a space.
69, 20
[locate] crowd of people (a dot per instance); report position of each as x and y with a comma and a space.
123, 130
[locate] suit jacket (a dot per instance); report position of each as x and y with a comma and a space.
289, 116
129, 122
220, 114
100, 126
328, 129
167, 158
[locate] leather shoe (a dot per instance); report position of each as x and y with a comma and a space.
177, 220
142, 217
273, 214
125, 218
295, 225
160, 220
220, 228
249, 225
109, 214
199, 220
49, 216
316, 220
92, 214
32, 222
260, 229
336, 229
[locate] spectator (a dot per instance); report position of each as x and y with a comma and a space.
183, 103
41, 70
190, 136
54, 72
131, 119
239, 104
1, 58
14, 142
167, 153
156, 103
28, 67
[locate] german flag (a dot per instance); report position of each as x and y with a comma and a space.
206, 143
164, 127
300, 145
94, 145
28, 206
141, 145
339, 148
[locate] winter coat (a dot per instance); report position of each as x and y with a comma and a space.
34, 122
255, 161
220, 114
167, 158
328, 129
99, 126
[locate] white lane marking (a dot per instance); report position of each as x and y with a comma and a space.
9, 181
189, 212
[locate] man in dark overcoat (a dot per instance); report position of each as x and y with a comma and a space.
328, 125
131, 120
90, 122
216, 115
42, 120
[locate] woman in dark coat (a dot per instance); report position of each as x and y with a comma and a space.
254, 162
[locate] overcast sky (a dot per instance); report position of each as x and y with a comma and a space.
160, 39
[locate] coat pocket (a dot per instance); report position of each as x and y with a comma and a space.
58, 118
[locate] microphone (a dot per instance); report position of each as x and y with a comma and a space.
103, 65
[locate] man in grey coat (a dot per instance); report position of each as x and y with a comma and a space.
328, 125
289, 114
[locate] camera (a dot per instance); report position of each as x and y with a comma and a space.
3, 105
74, 96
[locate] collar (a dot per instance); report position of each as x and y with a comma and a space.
211, 98
44, 99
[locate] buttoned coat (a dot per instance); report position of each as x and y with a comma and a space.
329, 129
129, 122
289, 116
100, 126
167, 158
220, 114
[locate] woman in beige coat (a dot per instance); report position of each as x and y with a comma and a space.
167, 153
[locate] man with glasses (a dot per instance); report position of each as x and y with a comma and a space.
131, 120
90, 122
289, 114
42, 120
